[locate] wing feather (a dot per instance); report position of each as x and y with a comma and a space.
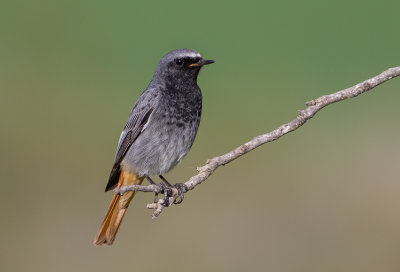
138, 119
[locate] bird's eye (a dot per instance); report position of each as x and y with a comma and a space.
179, 62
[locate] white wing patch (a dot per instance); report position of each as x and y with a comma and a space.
145, 125
121, 138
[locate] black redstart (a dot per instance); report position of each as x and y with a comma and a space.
158, 134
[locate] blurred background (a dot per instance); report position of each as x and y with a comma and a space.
324, 198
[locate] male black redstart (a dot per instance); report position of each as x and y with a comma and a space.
158, 134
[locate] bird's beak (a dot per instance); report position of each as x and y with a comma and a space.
201, 63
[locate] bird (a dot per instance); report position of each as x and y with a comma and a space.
160, 131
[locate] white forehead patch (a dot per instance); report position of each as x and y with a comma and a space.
189, 54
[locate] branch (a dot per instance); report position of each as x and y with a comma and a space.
172, 194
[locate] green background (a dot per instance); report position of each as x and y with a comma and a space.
324, 198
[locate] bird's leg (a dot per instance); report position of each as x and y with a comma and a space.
166, 189
149, 179
179, 186
165, 181
153, 183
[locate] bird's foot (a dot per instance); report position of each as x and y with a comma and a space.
167, 191
173, 194
182, 189
155, 198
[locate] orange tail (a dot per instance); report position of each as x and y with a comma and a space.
118, 206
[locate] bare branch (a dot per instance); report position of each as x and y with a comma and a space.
212, 164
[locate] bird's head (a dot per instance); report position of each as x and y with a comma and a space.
180, 66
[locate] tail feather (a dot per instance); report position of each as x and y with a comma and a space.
116, 211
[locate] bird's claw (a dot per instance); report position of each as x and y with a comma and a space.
182, 189
168, 192
155, 198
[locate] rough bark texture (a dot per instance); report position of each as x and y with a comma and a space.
212, 164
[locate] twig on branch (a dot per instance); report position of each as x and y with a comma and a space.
211, 165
